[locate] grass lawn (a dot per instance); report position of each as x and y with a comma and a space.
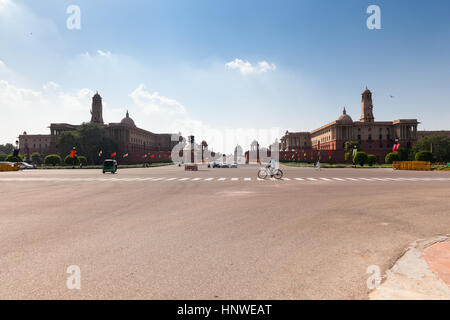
332, 165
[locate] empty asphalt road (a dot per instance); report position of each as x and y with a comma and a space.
163, 233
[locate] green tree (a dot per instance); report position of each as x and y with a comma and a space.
3, 156
66, 141
424, 156
391, 157
372, 159
88, 139
441, 146
360, 158
6, 148
36, 157
52, 159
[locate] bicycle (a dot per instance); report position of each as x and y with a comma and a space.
264, 172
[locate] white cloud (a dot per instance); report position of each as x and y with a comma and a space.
247, 68
33, 110
4, 4
155, 103
99, 53
2, 64
104, 53
51, 86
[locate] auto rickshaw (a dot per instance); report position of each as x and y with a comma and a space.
110, 165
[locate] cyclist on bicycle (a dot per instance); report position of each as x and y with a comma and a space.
271, 167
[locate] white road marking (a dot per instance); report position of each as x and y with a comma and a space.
118, 179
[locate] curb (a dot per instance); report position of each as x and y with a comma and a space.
411, 277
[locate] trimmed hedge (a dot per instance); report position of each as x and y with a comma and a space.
36, 157
360, 158
71, 161
82, 160
12, 158
424, 156
372, 159
391, 157
52, 159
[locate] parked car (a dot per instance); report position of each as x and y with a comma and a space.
25, 165
225, 165
233, 165
216, 164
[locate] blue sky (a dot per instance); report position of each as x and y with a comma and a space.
168, 62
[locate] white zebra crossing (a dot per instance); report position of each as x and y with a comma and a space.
222, 179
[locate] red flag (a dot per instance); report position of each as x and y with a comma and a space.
113, 154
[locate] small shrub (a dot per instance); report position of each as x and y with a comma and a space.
391, 157
52, 159
12, 158
360, 158
3, 157
372, 159
424, 156
71, 161
82, 160
36, 157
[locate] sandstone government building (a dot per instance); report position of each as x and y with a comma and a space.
374, 137
326, 143
128, 137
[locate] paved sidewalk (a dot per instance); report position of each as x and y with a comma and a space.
423, 272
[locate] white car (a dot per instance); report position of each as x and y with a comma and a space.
233, 165
24, 165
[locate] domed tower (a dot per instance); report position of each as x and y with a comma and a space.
367, 106
97, 109
345, 118
127, 120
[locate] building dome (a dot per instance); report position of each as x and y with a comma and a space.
345, 117
127, 120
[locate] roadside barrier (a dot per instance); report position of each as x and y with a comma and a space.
412, 165
9, 166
